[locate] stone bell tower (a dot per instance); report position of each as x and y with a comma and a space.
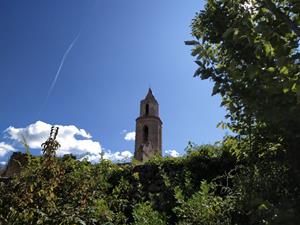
148, 133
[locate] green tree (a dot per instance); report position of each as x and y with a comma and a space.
250, 50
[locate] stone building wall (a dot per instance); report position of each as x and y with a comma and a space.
15, 164
148, 140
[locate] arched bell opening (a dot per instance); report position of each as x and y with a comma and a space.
145, 134
147, 109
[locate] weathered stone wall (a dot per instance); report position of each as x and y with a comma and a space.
148, 140
154, 137
15, 164
2, 169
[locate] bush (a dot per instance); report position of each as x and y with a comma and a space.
205, 207
144, 214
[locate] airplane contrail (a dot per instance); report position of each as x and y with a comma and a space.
60, 67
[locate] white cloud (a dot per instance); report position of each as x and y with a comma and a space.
3, 163
119, 156
123, 156
130, 136
91, 158
5, 148
172, 153
72, 139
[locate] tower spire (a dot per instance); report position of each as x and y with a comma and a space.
150, 96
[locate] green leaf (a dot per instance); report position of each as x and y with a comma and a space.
269, 50
197, 72
294, 88
285, 90
271, 69
284, 70
236, 31
262, 207
222, 125
193, 42
216, 89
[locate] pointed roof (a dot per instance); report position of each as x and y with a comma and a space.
150, 96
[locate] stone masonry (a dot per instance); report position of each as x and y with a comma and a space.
148, 140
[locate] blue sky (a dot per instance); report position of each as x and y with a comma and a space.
123, 48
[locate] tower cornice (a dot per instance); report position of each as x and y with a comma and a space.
148, 117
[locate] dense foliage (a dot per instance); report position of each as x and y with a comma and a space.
250, 50
162, 191
209, 185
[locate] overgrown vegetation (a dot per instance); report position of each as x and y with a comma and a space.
209, 185
250, 50
66, 191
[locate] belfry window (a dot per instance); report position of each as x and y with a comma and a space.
145, 134
147, 109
